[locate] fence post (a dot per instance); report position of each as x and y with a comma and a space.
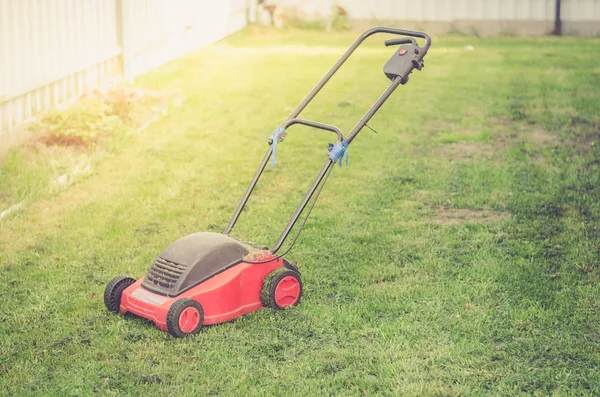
557, 20
125, 34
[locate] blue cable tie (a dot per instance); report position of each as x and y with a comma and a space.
337, 151
276, 136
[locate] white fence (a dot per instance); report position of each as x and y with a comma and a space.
51, 50
489, 16
475, 10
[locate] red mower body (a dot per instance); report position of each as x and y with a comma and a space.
200, 280
228, 295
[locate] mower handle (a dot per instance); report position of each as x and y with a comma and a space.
293, 118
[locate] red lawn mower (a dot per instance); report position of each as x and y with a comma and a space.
209, 278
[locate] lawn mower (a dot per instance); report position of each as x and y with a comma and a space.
209, 278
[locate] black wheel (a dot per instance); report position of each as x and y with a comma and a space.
113, 291
185, 317
281, 288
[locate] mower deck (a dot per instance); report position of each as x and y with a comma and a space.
221, 296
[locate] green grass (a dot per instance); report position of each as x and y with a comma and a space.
458, 254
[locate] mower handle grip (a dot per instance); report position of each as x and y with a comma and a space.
402, 32
406, 40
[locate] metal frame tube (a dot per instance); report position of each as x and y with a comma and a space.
373, 109
249, 190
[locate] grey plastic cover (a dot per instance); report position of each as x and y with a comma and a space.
192, 259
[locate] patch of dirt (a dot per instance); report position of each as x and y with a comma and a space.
522, 131
467, 143
69, 141
503, 134
449, 216
538, 137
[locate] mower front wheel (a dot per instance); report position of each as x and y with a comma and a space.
113, 291
185, 317
281, 288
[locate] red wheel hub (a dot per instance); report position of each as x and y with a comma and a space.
189, 319
287, 291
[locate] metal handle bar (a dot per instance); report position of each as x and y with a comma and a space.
289, 122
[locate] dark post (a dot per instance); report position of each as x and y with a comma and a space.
557, 21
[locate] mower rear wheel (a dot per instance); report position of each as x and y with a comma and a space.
113, 291
281, 288
185, 317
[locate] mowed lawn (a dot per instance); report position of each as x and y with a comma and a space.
457, 254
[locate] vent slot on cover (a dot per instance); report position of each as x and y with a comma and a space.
163, 275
